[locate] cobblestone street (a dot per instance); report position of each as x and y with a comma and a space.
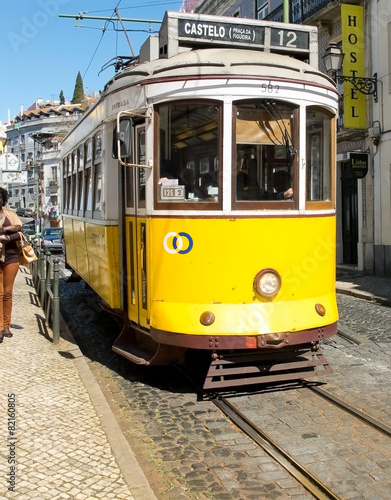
188, 449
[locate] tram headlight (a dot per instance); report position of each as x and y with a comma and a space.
267, 283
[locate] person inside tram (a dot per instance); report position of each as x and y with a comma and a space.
209, 187
247, 187
188, 179
281, 186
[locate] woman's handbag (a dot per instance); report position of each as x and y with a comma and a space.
27, 254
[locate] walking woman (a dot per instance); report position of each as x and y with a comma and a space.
10, 225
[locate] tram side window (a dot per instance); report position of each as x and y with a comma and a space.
141, 173
68, 193
266, 145
65, 191
319, 155
88, 206
80, 191
98, 188
80, 175
87, 196
189, 152
97, 174
72, 200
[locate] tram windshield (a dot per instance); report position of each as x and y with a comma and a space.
189, 152
265, 151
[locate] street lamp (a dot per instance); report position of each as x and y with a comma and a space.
333, 59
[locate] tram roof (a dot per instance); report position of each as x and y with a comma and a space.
197, 46
220, 62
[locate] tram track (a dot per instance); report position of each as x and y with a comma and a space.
305, 477
312, 484
315, 486
379, 426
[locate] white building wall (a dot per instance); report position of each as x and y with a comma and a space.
380, 27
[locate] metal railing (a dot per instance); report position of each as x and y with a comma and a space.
46, 274
299, 10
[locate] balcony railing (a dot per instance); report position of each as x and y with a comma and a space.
299, 10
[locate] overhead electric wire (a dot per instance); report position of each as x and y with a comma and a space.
113, 18
104, 29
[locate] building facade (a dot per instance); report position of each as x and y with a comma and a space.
34, 139
361, 30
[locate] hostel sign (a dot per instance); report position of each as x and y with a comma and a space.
352, 20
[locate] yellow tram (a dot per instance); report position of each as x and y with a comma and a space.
199, 199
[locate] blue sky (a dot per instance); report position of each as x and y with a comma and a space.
42, 53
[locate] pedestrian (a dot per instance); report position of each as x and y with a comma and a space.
10, 227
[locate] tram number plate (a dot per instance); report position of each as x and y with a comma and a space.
291, 39
172, 192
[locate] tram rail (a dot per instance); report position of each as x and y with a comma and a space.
312, 484
308, 480
379, 426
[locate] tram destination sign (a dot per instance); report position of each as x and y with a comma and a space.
279, 39
221, 32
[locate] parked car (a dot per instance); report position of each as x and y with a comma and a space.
12, 207
29, 212
52, 239
30, 229
20, 211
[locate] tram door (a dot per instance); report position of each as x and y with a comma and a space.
349, 215
136, 232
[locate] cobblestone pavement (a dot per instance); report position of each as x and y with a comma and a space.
69, 445
187, 449
54, 441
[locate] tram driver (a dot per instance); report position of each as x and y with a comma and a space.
281, 185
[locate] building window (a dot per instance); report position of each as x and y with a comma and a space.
262, 9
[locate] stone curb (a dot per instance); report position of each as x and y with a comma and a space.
364, 295
126, 460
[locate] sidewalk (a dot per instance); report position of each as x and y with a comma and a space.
369, 287
60, 439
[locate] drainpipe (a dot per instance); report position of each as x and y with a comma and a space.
286, 11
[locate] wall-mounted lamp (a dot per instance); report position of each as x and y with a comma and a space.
333, 59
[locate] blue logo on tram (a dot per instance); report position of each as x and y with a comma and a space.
176, 244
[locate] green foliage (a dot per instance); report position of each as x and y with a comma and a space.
78, 93
62, 98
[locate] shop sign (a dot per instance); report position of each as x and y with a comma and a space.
359, 164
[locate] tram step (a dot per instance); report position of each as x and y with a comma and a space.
243, 369
134, 353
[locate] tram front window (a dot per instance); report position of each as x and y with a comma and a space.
189, 153
265, 133
319, 127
